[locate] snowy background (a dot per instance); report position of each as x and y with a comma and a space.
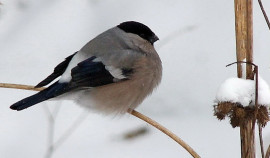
196, 42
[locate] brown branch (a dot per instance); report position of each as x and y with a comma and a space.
261, 139
19, 86
244, 50
165, 131
237, 62
256, 71
132, 112
264, 13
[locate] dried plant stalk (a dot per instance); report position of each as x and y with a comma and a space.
244, 49
261, 139
264, 14
240, 31
247, 140
132, 112
19, 86
165, 131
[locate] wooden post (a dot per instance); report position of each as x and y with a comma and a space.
244, 51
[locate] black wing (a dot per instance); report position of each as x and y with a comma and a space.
58, 71
90, 73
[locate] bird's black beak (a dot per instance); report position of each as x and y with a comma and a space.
154, 39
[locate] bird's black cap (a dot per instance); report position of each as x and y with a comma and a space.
139, 29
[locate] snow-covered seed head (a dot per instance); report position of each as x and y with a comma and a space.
223, 109
240, 114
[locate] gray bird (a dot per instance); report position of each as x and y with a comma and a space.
112, 73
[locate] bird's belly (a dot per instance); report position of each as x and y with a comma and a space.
115, 98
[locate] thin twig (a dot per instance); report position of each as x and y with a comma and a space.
51, 130
51, 119
165, 131
19, 86
72, 128
56, 109
256, 96
261, 139
267, 155
48, 113
264, 13
241, 62
256, 70
132, 112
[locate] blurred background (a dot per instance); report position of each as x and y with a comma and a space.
197, 40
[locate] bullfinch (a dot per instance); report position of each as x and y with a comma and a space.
112, 73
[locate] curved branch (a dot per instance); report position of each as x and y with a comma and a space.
132, 112
264, 14
165, 131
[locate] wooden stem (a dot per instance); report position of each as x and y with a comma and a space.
241, 33
244, 50
247, 140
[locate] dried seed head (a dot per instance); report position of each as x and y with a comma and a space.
263, 115
239, 114
223, 109
235, 122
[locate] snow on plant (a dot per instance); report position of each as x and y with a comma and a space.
242, 91
235, 98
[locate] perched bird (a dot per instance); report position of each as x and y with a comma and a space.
112, 73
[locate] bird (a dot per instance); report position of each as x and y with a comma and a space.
112, 74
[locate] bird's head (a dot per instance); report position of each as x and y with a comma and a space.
139, 29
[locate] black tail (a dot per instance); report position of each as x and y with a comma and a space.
52, 91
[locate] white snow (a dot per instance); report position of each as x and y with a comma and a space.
238, 90
263, 92
36, 36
